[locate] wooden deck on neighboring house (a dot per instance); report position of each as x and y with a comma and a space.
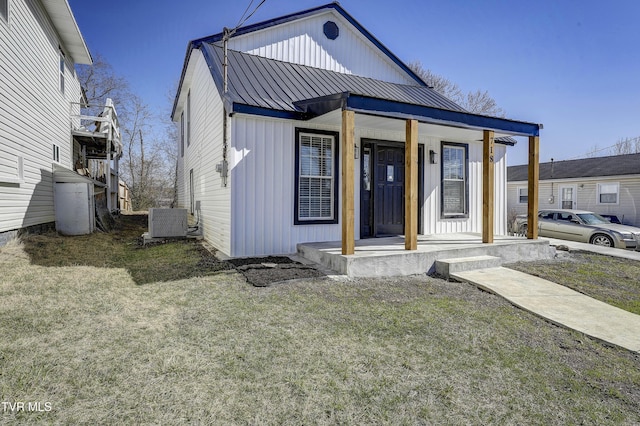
97, 132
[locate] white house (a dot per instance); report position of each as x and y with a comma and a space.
605, 185
319, 133
40, 105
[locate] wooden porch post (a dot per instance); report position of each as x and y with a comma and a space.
532, 187
411, 186
348, 182
488, 183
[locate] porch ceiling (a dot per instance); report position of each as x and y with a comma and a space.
396, 125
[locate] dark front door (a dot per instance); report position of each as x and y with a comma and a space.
382, 188
389, 191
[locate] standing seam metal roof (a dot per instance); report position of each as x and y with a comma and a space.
268, 83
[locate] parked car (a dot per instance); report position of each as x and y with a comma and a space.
583, 226
611, 218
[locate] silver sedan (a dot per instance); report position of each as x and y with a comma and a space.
583, 226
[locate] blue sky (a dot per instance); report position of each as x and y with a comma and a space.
572, 65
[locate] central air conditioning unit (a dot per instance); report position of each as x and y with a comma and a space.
164, 223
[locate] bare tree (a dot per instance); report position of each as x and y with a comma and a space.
100, 82
626, 146
477, 102
145, 165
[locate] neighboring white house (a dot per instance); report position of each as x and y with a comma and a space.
40, 105
261, 164
605, 185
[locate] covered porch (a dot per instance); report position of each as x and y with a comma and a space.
356, 113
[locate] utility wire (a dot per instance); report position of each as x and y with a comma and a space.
630, 140
243, 15
243, 19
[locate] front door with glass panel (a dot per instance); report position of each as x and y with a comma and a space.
389, 191
382, 188
568, 197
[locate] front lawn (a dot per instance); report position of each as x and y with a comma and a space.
100, 348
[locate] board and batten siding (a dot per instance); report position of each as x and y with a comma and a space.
262, 170
433, 221
303, 42
263, 167
627, 209
203, 153
34, 114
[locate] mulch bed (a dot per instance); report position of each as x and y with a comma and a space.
263, 271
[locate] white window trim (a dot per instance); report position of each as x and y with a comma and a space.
598, 193
520, 188
62, 65
574, 192
56, 153
19, 176
6, 18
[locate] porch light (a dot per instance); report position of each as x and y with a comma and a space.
356, 151
433, 157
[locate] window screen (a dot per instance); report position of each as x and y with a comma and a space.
608, 193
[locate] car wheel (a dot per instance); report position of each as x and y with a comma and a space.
602, 240
523, 229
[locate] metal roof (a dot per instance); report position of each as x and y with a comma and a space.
65, 23
263, 86
615, 165
278, 85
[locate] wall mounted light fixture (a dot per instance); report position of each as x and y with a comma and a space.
433, 157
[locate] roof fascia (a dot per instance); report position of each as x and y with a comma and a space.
387, 108
190, 47
237, 108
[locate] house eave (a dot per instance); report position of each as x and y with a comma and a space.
67, 28
424, 114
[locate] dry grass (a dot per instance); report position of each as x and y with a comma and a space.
613, 280
214, 350
123, 248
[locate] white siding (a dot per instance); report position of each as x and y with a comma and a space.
34, 114
263, 178
434, 222
303, 42
263, 188
202, 155
628, 206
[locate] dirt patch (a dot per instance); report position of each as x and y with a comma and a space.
263, 271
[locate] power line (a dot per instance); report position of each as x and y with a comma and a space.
245, 12
635, 140
244, 19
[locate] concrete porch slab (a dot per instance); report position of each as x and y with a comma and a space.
376, 257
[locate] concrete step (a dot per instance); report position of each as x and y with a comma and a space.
446, 267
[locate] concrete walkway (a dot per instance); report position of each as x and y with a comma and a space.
560, 304
608, 251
